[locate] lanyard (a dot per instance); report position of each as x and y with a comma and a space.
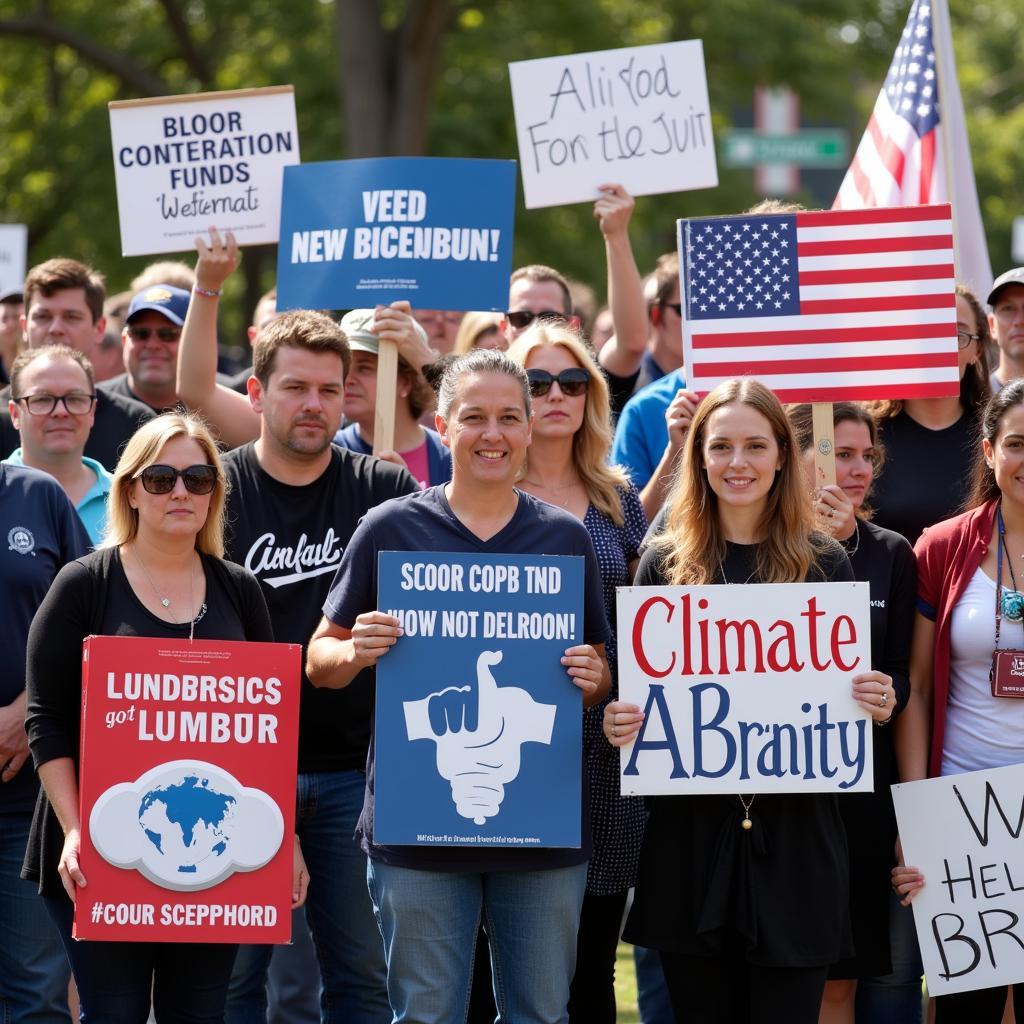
999, 575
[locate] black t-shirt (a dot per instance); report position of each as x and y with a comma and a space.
39, 533
292, 540
425, 521
92, 595
117, 418
927, 473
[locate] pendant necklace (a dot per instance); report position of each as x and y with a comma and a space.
166, 601
746, 823
1011, 601
852, 550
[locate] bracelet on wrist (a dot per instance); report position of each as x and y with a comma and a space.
207, 293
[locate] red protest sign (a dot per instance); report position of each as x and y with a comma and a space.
187, 790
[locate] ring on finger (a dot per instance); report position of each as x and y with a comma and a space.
883, 700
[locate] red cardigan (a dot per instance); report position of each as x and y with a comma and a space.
948, 555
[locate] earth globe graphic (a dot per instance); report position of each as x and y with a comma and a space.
187, 822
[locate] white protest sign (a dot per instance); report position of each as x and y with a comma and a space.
964, 834
745, 689
638, 116
184, 163
13, 256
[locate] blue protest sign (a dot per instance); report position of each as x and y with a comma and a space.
478, 727
437, 232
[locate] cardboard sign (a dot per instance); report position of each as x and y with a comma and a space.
746, 689
964, 834
355, 233
13, 256
638, 116
478, 728
186, 163
187, 790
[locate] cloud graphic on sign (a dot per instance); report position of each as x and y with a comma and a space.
186, 825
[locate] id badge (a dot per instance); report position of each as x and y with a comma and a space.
1007, 674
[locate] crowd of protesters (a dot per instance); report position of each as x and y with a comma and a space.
144, 494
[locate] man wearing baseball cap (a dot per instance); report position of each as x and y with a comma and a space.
152, 330
1006, 300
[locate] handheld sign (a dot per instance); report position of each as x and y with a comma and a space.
831, 306
639, 116
357, 233
964, 834
746, 689
13, 250
183, 163
187, 790
478, 728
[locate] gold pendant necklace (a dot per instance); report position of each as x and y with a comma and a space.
746, 823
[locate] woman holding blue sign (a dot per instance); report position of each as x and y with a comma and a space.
567, 466
745, 897
430, 898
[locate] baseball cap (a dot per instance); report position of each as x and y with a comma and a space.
1015, 276
162, 298
357, 324
11, 295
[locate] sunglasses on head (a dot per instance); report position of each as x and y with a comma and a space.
520, 318
571, 382
160, 479
162, 333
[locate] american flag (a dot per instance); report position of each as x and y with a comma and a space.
822, 307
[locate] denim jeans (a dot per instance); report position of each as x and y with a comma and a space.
429, 920
652, 991
338, 908
895, 998
34, 969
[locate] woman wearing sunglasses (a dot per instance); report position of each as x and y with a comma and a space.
567, 466
158, 574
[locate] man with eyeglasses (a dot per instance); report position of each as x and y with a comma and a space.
52, 406
151, 332
1006, 300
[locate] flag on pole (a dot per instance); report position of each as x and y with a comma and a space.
915, 149
830, 306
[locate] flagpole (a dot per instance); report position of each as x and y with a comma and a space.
942, 31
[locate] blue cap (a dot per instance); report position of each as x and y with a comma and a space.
171, 302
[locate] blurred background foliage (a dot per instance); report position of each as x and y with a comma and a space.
390, 77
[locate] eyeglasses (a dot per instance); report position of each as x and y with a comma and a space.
520, 318
963, 338
160, 479
572, 382
167, 334
676, 307
77, 403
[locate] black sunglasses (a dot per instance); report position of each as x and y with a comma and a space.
167, 334
520, 318
572, 382
160, 479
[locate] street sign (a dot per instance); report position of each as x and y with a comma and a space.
810, 148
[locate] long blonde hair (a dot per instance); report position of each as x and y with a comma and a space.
693, 545
143, 449
593, 441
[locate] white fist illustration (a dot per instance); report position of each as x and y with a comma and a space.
478, 735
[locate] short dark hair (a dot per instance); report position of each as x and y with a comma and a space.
31, 355
62, 274
539, 273
299, 328
665, 277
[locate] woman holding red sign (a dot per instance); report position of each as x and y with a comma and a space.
745, 897
158, 574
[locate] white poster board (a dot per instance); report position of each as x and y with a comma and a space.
745, 689
13, 257
184, 163
639, 117
963, 832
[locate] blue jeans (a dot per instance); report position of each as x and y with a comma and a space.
338, 908
651, 989
429, 920
34, 969
895, 998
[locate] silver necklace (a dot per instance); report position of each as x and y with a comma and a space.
850, 552
166, 601
725, 579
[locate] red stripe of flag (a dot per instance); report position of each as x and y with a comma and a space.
866, 393
853, 246
822, 336
874, 215
769, 367
876, 304
867, 275
927, 165
893, 158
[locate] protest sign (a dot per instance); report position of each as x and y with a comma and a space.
187, 790
963, 832
638, 116
826, 306
355, 233
745, 688
478, 728
13, 250
184, 163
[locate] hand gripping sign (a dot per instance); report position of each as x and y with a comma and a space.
479, 736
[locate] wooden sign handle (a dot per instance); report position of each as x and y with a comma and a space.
824, 444
387, 383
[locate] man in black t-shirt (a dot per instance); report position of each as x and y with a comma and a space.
295, 501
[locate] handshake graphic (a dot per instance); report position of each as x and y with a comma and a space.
479, 732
